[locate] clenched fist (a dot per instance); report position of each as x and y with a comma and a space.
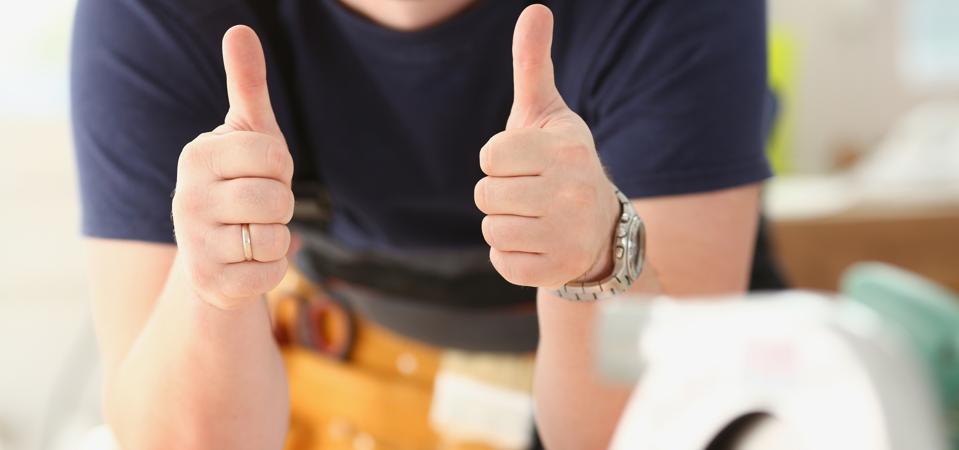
550, 209
240, 173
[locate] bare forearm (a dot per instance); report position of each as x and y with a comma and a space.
576, 409
200, 377
698, 245
183, 330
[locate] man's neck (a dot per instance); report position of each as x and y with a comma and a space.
408, 15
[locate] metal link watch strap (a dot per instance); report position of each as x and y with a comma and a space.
628, 257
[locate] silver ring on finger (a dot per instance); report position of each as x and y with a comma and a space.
247, 242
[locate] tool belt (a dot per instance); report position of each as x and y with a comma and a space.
356, 385
447, 297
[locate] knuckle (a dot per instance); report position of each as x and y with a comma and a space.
189, 200
273, 241
486, 158
287, 204
488, 232
217, 160
283, 239
249, 193
510, 270
494, 194
213, 161
264, 240
508, 232
193, 156
502, 265
480, 195
270, 196
491, 155
497, 139
278, 159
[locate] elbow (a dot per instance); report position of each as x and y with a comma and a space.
134, 426
195, 436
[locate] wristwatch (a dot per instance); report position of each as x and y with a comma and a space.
629, 248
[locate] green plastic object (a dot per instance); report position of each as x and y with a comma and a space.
929, 315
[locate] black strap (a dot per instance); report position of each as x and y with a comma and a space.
455, 278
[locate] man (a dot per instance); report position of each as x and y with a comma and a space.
414, 115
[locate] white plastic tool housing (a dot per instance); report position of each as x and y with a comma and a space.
830, 372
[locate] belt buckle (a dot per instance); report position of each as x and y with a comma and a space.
326, 325
314, 319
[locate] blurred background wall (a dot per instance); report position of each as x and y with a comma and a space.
852, 80
853, 75
867, 149
43, 301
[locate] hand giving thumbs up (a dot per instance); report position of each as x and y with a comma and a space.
233, 197
550, 209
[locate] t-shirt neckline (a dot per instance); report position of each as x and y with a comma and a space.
456, 34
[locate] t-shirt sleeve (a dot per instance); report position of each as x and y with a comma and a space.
142, 86
677, 98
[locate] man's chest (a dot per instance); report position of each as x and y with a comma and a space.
414, 130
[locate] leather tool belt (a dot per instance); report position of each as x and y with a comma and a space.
356, 385
452, 298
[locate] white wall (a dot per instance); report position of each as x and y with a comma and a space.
851, 89
43, 294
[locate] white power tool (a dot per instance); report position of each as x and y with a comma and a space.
876, 368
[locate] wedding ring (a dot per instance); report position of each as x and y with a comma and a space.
247, 242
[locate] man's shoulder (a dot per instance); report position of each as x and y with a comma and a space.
190, 9
589, 12
586, 25
635, 16
162, 11
158, 29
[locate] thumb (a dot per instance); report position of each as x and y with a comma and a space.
245, 66
534, 88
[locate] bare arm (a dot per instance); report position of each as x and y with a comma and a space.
189, 357
697, 245
550, 216
180, 373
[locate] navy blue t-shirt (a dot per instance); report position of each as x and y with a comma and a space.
392, 122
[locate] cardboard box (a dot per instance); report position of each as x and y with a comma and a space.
815, 252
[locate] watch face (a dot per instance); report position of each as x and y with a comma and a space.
635, 254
